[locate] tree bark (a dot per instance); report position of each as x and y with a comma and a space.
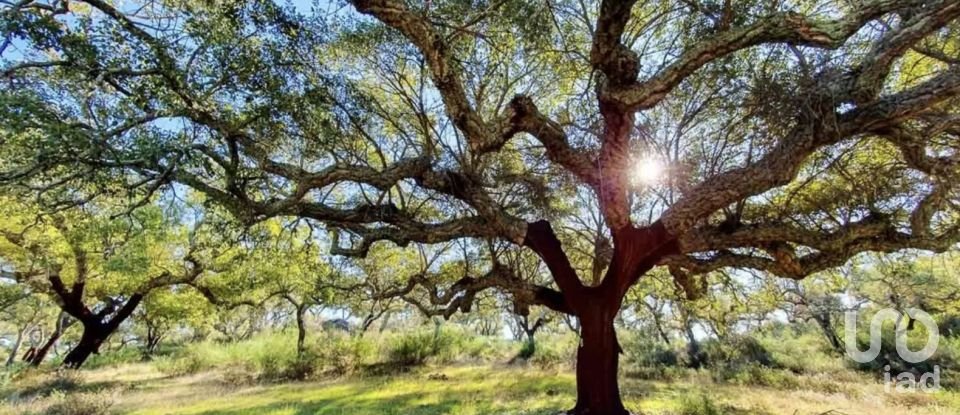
61, 326
42, 352
16, 347
90, 341
636, 251
301, 330
598, 389
95, 332
154, 334
823, 321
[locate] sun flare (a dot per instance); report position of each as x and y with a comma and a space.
648, 171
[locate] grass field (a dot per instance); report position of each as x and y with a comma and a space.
465, 390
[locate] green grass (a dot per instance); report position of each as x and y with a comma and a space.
473, 390
464, 390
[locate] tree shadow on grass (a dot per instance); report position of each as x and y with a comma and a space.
428, 399
406, 404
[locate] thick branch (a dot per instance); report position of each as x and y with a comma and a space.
790, 28
783, 162
542, 240
445, 75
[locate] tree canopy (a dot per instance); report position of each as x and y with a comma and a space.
610, 138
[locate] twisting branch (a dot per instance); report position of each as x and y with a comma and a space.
821, 128
789, 28
460, 296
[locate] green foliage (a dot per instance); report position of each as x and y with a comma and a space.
699, 404
485, 348
646, 352
341, 355
555, 352
114, 358
527, 350
735, 351
438, 344
267, 356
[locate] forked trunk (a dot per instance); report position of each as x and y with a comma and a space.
96, 331
598, 391
635, 251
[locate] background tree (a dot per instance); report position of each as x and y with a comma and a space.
793, 135
61, 323
293, 271
165, 311
24, 317
98, 270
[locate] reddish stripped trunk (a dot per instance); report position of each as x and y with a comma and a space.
598, 390
636, 251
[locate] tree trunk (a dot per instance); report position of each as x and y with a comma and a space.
16, 347
636, 251
827, 328
301, 331
95, 332
93, 336
598, 391
153, 340
385, 322
37, 357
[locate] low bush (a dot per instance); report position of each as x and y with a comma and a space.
737, 350
800, 348
486, 348
113, 358
343, 354
40, 383
527, 349
98, 403
555, 352
438, 344
756, 375
641, 351
270, 356
699, 405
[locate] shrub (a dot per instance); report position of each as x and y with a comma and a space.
269, 356
737, 350
800, 348
757, 375
415, 348
554, 352
949, 325
527, 349
485, 348
698, 405
343, 355
238, 375
36, 383
113, 358
183, 364
644, 352
80, 404
13, 372
946, 356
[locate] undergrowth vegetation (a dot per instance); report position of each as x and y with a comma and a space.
778, 357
